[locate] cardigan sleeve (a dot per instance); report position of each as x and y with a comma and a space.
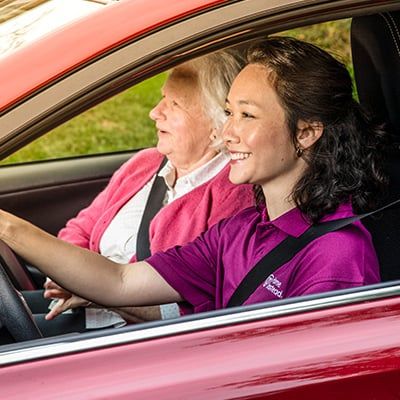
228, 199
79, 229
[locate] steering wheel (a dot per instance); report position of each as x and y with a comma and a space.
16, 269
15, 315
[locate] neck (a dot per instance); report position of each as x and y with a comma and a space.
278, 195
278, 208
183, 169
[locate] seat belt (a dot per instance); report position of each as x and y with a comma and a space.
153, 205
286, 250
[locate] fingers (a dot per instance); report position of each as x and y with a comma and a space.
52, 290
49, 284
60, 307
66, 304
56, 294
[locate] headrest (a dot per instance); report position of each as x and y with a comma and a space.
375, 42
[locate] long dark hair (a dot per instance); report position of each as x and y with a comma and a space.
346, 162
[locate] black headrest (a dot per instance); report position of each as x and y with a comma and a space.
375, 41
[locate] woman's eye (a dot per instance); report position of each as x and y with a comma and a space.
174, 103
247, 115
227, 112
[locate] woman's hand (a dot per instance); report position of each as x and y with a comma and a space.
66, 304
66, 300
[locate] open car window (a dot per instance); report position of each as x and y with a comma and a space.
118, 124
122, 123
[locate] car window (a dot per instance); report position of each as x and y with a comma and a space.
120, 123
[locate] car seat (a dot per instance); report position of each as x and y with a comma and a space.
375, 42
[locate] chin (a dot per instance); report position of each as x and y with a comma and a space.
163, 148
237, 179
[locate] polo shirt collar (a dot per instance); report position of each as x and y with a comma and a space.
294, 223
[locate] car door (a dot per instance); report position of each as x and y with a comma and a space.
48, 193
339, 345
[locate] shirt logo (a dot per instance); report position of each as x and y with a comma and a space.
273, 285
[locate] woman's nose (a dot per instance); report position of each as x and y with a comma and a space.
229, 134
156, 113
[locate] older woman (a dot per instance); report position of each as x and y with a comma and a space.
295, 131
188, 118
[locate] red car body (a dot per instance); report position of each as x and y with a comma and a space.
350, 351
86, 39
340, 344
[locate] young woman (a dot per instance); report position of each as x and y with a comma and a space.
295, 132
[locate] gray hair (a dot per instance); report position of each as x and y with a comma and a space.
215, 73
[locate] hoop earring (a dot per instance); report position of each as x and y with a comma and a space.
299, 151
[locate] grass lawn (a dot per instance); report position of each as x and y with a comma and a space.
122, 122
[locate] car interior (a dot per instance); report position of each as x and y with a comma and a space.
375, 43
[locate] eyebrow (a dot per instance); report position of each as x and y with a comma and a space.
246, 102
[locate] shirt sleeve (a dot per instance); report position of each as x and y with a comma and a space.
192, 269
328, 286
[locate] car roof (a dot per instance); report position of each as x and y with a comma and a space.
86, 38
21, 24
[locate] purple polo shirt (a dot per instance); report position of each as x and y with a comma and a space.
207, 271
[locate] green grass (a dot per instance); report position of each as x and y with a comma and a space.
333, 37
119, 123
122, 122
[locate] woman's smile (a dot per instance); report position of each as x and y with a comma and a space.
239, 156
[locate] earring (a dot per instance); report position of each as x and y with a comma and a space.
299, 151
216, 142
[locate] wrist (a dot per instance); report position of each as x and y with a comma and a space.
6, 227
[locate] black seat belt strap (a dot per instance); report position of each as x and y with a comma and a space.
153, 205
285, 251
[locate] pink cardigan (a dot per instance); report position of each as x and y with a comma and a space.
175, 224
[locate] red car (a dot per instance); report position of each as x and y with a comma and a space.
338, 344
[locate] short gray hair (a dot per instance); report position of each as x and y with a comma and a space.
215, 73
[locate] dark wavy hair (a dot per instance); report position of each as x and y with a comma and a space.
346, 162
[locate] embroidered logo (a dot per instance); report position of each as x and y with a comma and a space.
274, 286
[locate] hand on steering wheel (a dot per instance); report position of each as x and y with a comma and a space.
15, 315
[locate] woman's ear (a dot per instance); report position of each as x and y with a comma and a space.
216, 141
308, 133
213, 135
